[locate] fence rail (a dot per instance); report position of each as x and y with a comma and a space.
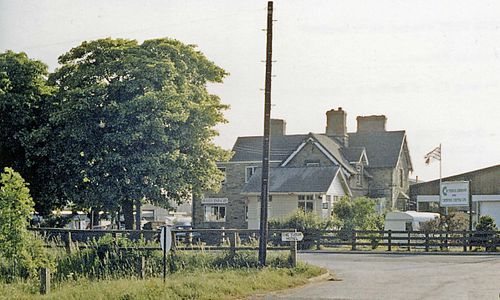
246, 239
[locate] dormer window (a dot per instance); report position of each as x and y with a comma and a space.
249, 171
312, 163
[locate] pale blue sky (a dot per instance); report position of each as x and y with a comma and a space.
432, 67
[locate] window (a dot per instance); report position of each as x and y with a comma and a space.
148, 214
249, 171
306, 203
215, 213
246, 213
401, 178
312, 163
223, 170
359, 175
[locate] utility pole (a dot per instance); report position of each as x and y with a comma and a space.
264, 194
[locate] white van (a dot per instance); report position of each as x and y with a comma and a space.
407, 220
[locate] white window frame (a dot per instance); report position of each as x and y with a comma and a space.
305, 199
216, 213
247, 177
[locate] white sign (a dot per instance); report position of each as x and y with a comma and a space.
454, 193
166, 244
291, 236
214, 201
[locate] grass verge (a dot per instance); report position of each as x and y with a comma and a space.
195, 284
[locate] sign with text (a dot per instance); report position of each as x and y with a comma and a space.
291, 236
214, 201
454, 193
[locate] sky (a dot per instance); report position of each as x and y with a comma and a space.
432, 67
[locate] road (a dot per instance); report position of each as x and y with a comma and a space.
386, 276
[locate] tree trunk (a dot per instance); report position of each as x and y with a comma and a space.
128, 214
138, 215
95, 216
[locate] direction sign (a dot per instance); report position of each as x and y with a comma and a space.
291, 236
165, 239
454, 193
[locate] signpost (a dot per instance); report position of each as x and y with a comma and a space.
292, 236
166, 244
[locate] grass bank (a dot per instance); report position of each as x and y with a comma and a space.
194, 284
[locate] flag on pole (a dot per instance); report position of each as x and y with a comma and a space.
434, 154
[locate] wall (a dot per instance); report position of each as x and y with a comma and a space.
309, 153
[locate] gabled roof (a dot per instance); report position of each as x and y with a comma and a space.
294, 180
249, 148
355, 154
382, 147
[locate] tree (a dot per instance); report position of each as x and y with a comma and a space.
135, 122
25, 105
23, 252
357, 214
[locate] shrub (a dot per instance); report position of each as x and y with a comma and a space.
486, 224
309, 224
23, 252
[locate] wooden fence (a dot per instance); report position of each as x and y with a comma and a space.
244, 239
404, 240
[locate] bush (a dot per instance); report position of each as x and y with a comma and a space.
22, 252
486, 224
309, 224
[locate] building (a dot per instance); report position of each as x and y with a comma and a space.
485, 190
310, 171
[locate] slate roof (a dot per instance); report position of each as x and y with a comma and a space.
293, 179
249, 148
353, 154
382, 147
335, 150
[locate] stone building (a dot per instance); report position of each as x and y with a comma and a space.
310, 171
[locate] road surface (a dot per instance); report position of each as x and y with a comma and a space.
389, 276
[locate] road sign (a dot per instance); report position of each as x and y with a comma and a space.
166, 239
454, 193
291, 236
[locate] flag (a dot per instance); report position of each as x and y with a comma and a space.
434, 154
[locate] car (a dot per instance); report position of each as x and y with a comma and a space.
183, 232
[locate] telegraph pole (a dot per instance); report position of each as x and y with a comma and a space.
264, 194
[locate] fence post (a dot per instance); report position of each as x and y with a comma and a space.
318, 240
232, 243
141, 267
409, 240
293, 253
44, 281
353, 240
68, 242
426, 242
389, 240
464, 240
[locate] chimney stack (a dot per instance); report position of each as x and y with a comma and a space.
336, 125
371, 123
278, 127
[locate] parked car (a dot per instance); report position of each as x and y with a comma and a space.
185, 233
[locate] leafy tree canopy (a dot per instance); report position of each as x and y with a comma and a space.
25, 105
134, 121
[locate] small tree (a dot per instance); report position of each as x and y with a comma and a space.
17, 245
486, 223
307, 223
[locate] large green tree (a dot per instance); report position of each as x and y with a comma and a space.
25, 106
135, 122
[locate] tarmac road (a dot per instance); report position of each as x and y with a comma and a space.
395, 276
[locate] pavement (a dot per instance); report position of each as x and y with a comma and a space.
388, 276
